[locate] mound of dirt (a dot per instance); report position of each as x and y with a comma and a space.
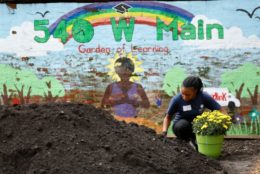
79, 139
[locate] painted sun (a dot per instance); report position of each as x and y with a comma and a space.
138, 68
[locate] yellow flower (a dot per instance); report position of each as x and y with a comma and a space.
211, 123
205, 114
218, 121
204, 126
210, 119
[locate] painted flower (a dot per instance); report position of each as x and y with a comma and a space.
254, 114
237, 119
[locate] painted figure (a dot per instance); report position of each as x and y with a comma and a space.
125, 96
185, 106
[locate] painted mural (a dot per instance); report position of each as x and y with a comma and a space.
75, 52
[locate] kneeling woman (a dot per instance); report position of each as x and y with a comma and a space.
186, 106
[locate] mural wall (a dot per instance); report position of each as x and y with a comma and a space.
80, 52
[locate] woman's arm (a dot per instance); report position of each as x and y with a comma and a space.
172, 109
223, 111
210, 103
105, 99
145, 101
166, 122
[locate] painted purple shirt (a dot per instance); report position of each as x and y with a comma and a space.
125, 110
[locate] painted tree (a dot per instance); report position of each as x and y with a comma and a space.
6, 98
21, 94
173, 80
25, 83
243, 81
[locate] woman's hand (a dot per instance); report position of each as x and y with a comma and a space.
164, 134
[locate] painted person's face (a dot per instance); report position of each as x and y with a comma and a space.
188, 93
123, 73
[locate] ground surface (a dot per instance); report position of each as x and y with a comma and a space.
80, 139
241, 156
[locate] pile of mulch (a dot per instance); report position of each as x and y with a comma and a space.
79, 139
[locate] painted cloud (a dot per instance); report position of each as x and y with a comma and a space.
233, 38
21, 42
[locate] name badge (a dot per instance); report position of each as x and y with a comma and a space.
187, 108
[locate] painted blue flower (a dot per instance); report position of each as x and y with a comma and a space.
158, 102
237, 119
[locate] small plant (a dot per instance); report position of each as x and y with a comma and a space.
211, 123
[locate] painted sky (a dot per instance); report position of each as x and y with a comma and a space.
240, 30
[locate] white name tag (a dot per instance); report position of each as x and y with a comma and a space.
187, 108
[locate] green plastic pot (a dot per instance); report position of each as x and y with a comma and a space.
210, 145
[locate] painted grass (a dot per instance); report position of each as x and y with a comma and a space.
245, 128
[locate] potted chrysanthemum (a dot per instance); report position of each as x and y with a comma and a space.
210, 128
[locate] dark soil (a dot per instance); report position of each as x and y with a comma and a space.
241, 156
80, 139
